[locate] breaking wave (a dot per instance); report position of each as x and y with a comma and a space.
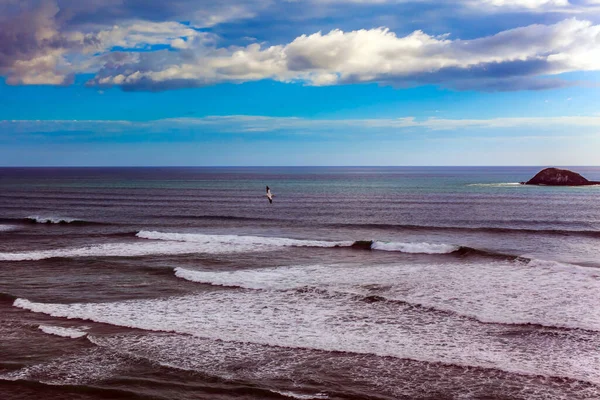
238, 240
387, 378
421, 248
129, 249
61, 331
50, 220
496, 292
319, 321
8, 228
301, 396
165, 243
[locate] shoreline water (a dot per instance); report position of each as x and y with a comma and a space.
185, 283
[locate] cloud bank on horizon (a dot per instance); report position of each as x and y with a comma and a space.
156, 45
241, 140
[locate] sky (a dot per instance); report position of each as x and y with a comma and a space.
299, 82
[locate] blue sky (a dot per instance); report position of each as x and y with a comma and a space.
299, 82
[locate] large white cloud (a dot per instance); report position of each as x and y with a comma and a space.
49, 41
375, 55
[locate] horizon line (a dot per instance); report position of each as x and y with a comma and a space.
298, 166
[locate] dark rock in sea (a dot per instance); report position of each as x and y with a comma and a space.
362, 244
559, 177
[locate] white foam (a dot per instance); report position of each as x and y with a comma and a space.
543, 293
338, 322
300, 396
172, 244
131, 249
51, 220
61, 331
238, 240
164, 243
285, 370
559, 266
85, 367
267, 278
419, 248
258, 241
8, 228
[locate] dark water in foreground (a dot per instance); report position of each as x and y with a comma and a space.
184, 283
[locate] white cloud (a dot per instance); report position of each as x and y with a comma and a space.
527, 4
31, 46
48, 41
139, 34
375, 55
253, 124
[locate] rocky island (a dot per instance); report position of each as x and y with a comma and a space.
559, 177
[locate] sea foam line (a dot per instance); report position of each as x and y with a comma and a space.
164, 243
301, 396
510, 293
129, 249
397, 378
422, 248
61, 331
238, 240
322, 322
417, 248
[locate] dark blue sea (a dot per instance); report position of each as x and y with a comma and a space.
356, 283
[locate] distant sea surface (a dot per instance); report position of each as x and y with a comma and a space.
185, 283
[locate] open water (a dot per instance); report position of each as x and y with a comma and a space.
185, 283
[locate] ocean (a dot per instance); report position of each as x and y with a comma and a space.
356, 283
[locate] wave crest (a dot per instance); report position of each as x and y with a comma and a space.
8, 228
172, 243
421, 248
238, 240
418, 248
62, 332
289, 319
491, 292
51, 220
